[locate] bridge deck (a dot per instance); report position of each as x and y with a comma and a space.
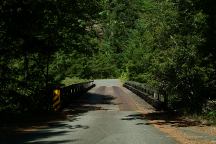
107, 114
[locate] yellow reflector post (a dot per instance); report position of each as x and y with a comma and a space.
56, 99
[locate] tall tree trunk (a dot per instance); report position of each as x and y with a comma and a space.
47, 71
26, 63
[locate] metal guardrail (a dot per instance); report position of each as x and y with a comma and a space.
68, 93
76, 88
152, 95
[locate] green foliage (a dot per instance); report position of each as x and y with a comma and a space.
69, 81
169, 45
41, 43
212, 115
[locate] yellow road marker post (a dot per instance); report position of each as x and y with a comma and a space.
56, 99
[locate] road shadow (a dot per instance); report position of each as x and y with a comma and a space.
85, 103
54, 142
173, 119
34, 136
34, 128
39, 132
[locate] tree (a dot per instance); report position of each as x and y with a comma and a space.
32, 34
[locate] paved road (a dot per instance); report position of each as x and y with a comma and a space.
108, 114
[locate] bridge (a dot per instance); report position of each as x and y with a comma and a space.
109, 114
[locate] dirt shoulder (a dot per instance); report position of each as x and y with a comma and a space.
186, 131
182, 129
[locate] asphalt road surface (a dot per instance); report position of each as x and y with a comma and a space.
108, 114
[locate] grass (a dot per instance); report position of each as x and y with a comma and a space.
203, 118
73, 80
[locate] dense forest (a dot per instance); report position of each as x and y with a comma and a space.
167, 44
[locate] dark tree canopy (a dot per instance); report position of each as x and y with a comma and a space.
168, 44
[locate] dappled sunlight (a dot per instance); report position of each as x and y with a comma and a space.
164, 118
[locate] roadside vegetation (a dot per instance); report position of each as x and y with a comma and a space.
69, 81
166, 44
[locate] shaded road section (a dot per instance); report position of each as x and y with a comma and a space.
108, 114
